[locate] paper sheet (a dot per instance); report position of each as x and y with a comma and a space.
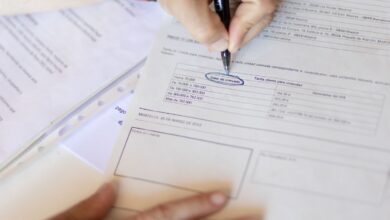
43, 191
298, 131
52, 62
8, 7
43, 196
93, 143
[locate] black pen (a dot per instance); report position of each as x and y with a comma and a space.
222, 8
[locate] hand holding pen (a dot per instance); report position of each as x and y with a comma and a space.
222, 8
249, 19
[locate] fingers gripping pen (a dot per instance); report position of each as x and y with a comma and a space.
223, 10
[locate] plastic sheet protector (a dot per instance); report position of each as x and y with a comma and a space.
51, 63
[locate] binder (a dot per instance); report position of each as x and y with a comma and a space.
73, 119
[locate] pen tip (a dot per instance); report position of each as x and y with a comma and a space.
227, 70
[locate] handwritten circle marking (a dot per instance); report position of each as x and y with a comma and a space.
224, 79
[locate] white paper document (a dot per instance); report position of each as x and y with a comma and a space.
299, 130
52, 62
28, 6
93, 143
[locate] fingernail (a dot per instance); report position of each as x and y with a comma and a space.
218, 199
233, 49
219, 45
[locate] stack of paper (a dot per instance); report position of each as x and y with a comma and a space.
52, 62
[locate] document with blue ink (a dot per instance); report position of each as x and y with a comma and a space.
298, 130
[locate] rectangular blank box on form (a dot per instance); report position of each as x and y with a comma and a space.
326, 178
182, 162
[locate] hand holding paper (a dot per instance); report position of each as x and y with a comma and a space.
196, 207
300, 128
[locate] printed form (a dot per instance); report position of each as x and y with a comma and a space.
299, 130
52, 62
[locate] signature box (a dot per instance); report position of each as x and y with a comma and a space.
343, 180
183, 162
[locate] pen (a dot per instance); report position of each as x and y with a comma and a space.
223, 10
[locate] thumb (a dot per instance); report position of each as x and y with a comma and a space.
251, 17
95, 207
202, 23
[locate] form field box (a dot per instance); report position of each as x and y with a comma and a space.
327, 178
183, 162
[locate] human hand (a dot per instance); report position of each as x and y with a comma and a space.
98, 206
250, 18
